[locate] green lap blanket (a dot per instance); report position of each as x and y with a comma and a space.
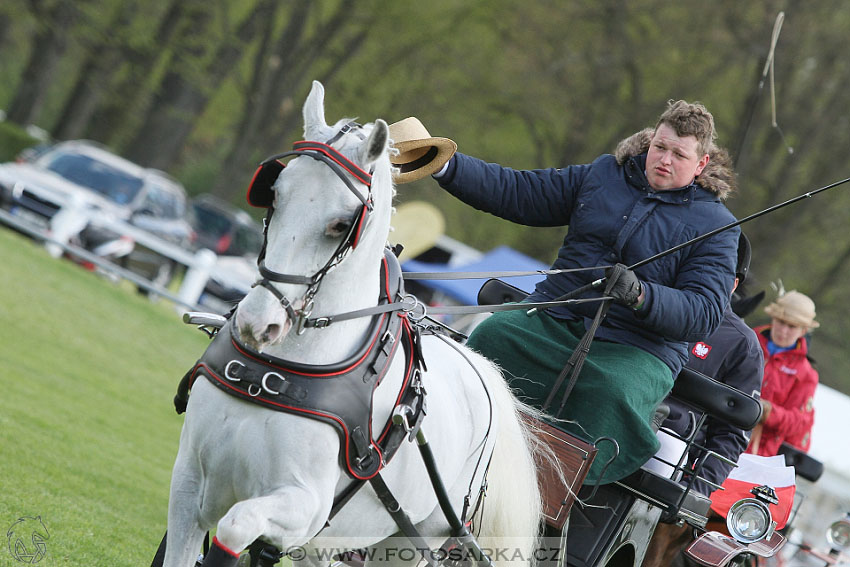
615, 395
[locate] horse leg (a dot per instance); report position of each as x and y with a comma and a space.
185, 534
284, 518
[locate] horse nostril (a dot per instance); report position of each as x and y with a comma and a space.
272, 333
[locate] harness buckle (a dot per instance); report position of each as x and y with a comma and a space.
232, 375
402, 415
320, 322
305, 313
266, 387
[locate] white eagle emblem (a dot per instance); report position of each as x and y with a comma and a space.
701, 350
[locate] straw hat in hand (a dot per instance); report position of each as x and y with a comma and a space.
419, 154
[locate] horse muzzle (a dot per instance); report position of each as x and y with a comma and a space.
262, 320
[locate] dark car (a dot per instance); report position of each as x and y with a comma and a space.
236, 238
223, 228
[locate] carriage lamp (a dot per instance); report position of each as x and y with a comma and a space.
838, 533
749, 520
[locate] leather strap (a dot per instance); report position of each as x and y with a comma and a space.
401, 518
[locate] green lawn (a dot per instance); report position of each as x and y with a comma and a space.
88, 433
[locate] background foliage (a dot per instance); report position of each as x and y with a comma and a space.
207, 89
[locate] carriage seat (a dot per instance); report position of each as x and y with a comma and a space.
497, 292
676, 499
717, 399
805, 466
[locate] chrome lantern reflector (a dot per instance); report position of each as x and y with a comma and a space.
838, 533
749, 520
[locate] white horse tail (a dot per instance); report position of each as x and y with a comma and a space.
512, 509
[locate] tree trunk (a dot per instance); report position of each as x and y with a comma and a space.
294, 57
181, 100
103, 57
47, 48
130, 96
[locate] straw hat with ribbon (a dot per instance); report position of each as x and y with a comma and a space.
795, 308
419, 154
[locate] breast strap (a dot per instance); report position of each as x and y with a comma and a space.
338, 394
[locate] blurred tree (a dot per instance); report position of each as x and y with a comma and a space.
284, 66
54, 19
206, 89
105, 52
130, 85
199, 67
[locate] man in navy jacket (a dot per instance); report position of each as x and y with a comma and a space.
662, 187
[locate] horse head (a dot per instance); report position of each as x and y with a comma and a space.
331, 202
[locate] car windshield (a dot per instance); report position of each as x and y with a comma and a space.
116, 185
162, 202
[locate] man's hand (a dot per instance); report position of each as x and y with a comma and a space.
623, 285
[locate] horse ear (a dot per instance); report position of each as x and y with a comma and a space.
314, 112
376, 145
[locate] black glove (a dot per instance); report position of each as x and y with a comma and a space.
623, 285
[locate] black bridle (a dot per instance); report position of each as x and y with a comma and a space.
261, 194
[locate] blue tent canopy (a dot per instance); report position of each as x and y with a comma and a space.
502, 258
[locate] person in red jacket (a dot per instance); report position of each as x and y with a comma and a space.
790, 380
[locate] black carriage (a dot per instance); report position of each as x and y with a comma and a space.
615, 522
612, 524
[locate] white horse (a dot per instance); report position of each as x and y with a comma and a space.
251, 473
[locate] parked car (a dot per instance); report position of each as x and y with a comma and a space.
223, 228
108, 187
236, 238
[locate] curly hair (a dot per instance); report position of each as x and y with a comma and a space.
690, 119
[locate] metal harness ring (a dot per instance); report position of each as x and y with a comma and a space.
414, 303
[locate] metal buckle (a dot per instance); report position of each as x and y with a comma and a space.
251, 391
266, 386
414, 303
306, 311
227, 371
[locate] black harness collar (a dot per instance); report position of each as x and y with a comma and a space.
338, 394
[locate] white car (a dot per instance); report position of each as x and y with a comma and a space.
89, 177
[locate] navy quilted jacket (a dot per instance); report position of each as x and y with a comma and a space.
614, 216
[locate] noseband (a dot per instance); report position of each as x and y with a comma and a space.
261, 193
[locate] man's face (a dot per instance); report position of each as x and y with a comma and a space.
673, 161
785, 334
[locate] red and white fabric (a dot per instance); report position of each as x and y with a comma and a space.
752, 471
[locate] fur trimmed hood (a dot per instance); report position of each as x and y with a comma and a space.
717, 177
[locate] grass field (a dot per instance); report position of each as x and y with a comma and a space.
88, 433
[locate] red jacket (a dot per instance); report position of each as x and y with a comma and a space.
789, 385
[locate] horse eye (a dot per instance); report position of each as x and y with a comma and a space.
337, 227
